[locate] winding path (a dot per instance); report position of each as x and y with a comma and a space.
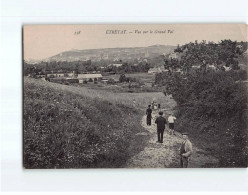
165, 155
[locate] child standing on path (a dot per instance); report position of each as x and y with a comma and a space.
171, 120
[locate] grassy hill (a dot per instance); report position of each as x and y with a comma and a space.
66, 126
112, 53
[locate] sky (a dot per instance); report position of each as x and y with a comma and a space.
43, 41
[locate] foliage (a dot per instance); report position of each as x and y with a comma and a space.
111, 81
67, 129
214, 107
58, 67
122, 78
82, 66
224, 53
213, 104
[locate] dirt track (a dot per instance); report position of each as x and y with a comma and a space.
165, 155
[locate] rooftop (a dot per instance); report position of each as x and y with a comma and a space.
88, 76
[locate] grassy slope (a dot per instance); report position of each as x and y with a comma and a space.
66, 126
63, 128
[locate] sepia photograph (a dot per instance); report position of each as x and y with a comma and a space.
134, 96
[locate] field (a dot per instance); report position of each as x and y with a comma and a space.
141, 99
144, 83
75, 127
143, 77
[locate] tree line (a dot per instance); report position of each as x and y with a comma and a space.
211, 105
224, 53
84, 66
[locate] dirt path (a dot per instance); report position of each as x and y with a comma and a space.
165, 155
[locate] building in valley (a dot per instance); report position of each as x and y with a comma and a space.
89, 77
156, 70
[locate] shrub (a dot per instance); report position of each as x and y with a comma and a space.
122, 78
214, 107
63, 129
111, 81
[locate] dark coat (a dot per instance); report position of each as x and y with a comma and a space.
160, 121
149, 112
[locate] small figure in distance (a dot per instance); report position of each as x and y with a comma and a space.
160, 121
134, 103
155, 106
185, 151
171, 120
148, 115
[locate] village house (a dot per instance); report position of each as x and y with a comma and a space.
142, 60
174, 56
52, 75
227, 68
211, 67
72, 74
116, 65
196, 66
156, 70
104, 80
89, 77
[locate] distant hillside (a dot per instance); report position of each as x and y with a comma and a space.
112, 53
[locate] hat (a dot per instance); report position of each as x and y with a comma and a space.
185, 133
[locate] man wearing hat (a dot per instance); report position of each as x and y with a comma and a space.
160, 121
185, 150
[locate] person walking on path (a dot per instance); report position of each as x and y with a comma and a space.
171, 120
149, 115
160, 121
185, 151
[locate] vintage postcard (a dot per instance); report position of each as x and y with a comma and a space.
135, 96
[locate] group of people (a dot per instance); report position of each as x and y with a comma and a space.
185, 149
155, 105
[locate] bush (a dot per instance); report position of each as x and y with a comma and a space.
214, 107
122, 78
63, 129
111, 81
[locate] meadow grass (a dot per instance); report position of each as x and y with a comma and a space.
143, 77
142, 99
75, 127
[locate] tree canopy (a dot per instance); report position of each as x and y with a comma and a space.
223, 53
